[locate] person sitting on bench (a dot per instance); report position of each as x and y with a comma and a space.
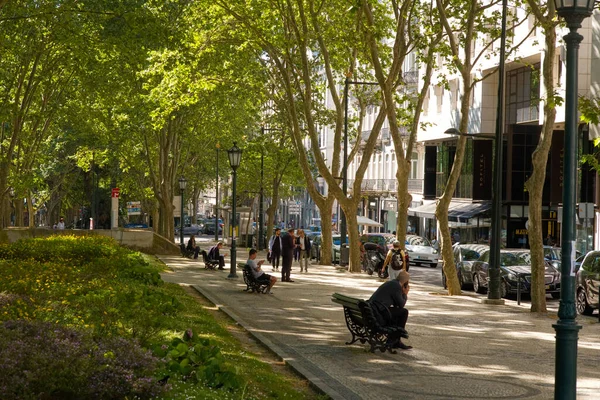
192, 247
213, 254
389, 301
258, 273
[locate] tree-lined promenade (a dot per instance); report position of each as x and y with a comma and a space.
136, 94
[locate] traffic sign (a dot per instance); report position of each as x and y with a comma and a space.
115, 192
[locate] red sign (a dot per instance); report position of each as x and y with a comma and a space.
114, 192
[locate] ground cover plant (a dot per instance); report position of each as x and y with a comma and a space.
81, 317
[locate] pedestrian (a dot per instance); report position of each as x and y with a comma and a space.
61, 224
275, 248
213, 254
303, 247
193, 247
389, 301
395, 260
287, 254
258, 273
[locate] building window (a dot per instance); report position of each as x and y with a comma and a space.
445, 160
523, 94
414, 165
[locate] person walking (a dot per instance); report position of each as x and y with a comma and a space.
287, 254
276, 248
389, 300
303, 247
395, 261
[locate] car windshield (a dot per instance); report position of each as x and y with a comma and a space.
470, 255
417, 241
552, 254
338, 239
509, 259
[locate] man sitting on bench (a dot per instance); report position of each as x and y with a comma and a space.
192, 247
213, 254
389, 301
258, 273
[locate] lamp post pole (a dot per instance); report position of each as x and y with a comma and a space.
217, 197
567, 330
235, 155
494, 272
261, 212
182, 184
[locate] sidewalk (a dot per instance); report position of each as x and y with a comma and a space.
462, 349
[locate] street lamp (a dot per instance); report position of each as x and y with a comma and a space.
565, 373
494, 296
182, 185
235, 156
217, 197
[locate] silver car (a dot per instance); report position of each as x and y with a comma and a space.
420, 251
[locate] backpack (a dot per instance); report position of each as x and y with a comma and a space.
397, 260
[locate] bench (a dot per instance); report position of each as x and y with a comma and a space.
361, 320
208, 263
185, 252
251, 283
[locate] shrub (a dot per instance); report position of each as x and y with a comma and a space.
47, 360
197, 359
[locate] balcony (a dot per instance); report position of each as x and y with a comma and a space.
386, 185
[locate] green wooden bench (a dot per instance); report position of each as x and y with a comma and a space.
361, 320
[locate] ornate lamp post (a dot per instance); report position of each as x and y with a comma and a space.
217, 197
235, 156
565, 373
182, 185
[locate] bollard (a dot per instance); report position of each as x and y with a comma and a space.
518, 289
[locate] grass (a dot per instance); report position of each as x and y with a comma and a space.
93, 286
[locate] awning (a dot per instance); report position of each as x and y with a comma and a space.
465, 211
424, 211
367, 221
458, 211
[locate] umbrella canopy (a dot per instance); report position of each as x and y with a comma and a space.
367, 221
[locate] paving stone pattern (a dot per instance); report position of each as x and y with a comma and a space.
463, 349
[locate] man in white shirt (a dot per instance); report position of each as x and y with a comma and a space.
258, 273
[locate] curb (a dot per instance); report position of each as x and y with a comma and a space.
315, 380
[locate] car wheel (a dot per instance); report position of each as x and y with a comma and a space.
555, 295
582, 305
199, 233
444, 284
477, 285
434, 265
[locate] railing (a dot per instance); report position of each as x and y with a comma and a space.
387, 185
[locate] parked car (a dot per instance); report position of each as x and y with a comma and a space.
464, 256
209, 227
133, 225
193, 229
336, 248
421, 252
588, 283
315, 248
384, 241
513, 267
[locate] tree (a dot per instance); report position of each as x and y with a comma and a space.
471, 27
545, 15
415, 30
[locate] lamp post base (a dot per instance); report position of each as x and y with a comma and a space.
232, 276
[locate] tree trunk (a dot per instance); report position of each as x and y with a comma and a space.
326, 231
404, 199
535, 183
